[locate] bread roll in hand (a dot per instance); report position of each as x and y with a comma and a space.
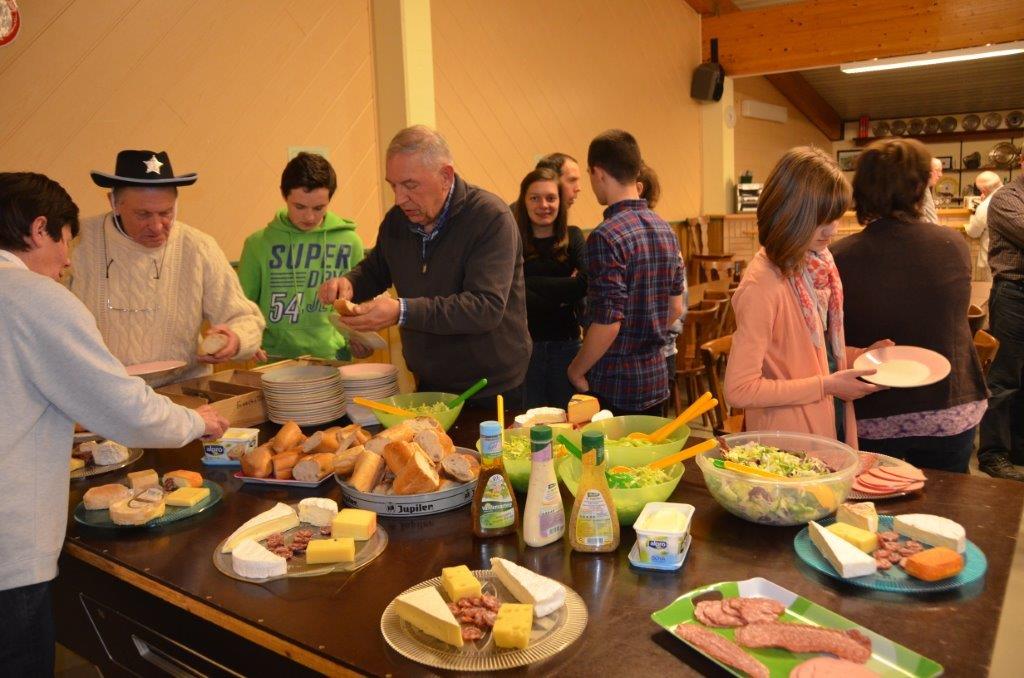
346, 308
212, 344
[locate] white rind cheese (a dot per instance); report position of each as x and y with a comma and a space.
848, 560
931, 530
109, 452
426, 610
319, 511
250, 559
278, 519
862, 515
546, 595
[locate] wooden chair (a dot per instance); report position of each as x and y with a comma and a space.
716, 354
726, 316
975, 318
699, 327
987, 346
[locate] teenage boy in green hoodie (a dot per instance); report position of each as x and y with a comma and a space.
283, 265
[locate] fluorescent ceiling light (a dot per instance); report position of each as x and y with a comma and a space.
966, 54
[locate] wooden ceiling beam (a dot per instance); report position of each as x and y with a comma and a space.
712, 7
801, 94
820, 33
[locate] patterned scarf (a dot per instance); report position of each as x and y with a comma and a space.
819, 292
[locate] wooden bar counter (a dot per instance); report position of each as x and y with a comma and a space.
150, 601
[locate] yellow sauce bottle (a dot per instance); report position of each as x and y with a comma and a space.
494, 510
593, 524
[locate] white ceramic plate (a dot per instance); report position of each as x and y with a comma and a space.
154, 369
903, 366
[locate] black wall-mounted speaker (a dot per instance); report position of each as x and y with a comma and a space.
708, 82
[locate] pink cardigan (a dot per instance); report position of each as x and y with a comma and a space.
775, 373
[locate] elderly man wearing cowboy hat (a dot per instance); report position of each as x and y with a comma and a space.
151, 281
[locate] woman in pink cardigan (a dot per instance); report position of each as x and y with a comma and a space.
788, 364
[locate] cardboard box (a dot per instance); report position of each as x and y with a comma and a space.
234, 394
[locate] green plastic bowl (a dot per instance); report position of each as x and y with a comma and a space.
409, 400
518, 469
628, 503
620, 427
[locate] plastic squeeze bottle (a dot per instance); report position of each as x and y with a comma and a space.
594, 525
544, 517
495, 511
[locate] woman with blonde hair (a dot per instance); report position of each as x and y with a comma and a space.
788, 368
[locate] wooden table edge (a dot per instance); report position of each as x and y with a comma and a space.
211, 614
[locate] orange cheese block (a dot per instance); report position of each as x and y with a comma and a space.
934, 564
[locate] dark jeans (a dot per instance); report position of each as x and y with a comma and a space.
945, 453
27, 634
546, 380
1006, 317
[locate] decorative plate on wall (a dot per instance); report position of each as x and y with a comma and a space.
992, 121
970, 122
916, 126
899, 128
1014, 119
948, 124
931, 125
880, 129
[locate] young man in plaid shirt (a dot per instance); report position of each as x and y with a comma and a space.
635, 289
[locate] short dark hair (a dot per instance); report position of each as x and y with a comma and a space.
890, 180
617, 153
648, 179
309, 172
554, 161
24, 196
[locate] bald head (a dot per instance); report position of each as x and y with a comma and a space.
988, 182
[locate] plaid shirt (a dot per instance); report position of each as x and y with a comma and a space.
634, 268
1006, 232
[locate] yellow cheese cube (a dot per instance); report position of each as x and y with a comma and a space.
513, 625
333, 550
141, 480
355, 523
187, 496
459, 583
77, 463
582, 408
862, 539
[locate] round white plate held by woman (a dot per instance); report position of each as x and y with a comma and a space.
154, 369
903, 366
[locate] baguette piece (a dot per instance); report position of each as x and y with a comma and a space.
284, 462
461, 467
322, 441
258, 463
346, 308
345, 462
367, 472
417, 477
288, 437
399, 433
362, 435
435, 443
313, 467
102, 496
398, 454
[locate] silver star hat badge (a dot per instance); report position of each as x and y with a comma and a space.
153, 165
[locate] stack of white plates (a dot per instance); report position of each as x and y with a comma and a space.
373, 381
307, 395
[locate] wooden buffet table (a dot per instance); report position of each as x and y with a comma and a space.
133, 601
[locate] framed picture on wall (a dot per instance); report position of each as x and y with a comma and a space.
847, 159
946, 160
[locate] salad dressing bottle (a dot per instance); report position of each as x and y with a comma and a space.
495, 512
593, 525
544, 517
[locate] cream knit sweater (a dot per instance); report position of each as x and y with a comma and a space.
159, 297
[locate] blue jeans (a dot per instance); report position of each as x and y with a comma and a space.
546, 380
1006, 317
27, 634
945, 453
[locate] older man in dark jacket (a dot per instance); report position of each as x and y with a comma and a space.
453, 253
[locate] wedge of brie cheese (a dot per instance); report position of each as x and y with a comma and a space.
426, 610
862, 515
931, 530
848, 560
278, 519
319, 511
250, 559
108, 452
546, 595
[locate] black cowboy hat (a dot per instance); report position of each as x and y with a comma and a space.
142, 168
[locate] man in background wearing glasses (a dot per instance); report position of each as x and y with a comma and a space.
151, 281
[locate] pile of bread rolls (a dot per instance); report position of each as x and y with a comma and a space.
414, 457
290, 455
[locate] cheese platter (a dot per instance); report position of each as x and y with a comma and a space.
308, 539
745, 626
146, 506
484, 620
93, 456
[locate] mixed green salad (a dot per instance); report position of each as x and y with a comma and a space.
774, 460
627, 442
432, 408
641, 476
517, 448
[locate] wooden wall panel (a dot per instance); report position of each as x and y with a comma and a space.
224, 87
516, 79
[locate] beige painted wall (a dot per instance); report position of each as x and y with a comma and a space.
515, 79
224, 87
760, 143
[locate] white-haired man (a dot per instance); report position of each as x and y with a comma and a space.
928, 211
453, 253
987, 183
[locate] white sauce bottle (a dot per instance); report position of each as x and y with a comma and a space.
544, 516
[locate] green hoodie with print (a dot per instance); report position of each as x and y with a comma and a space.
281, 269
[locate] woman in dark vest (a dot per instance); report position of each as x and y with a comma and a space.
909, 280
